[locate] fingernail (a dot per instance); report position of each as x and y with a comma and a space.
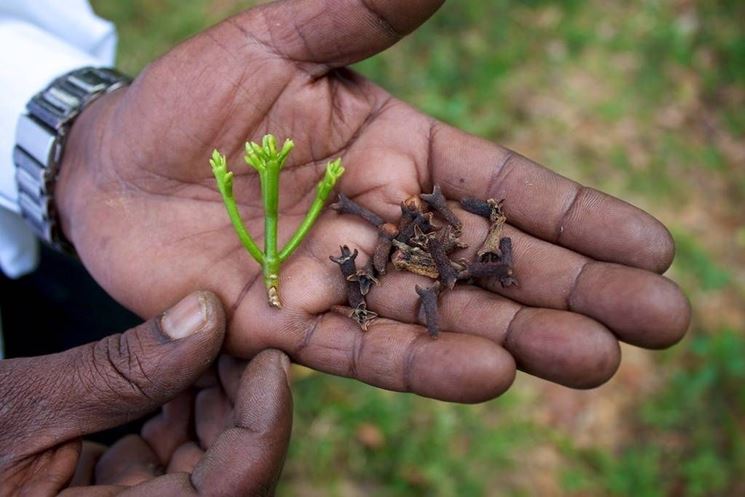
185, 318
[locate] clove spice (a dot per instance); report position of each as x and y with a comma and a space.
345, 205
386, 233
355, 298
419, 246
436, 200
428, 298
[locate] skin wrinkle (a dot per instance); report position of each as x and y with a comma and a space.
577, 197
301, 35
500, 173
310, 330
121, 373
570, 298
355, 353
430, 157
268, 48
409, 358
233, 308
384, 24
508, 333
273, 47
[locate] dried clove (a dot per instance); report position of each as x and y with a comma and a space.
386, 233
414, 260
413, 215
476, 206
345, 205
437, 202
428, 299
448, 275
422, 248
348, 268
365, 277
489, 251
501, 271
450, 239
421, 239
505, 249
363, 316
356, 300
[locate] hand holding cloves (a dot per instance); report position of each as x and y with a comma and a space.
421, 246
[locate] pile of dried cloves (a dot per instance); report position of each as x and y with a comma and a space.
427, 234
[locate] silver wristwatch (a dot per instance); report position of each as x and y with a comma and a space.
40, 142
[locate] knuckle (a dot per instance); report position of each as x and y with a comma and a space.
119, 367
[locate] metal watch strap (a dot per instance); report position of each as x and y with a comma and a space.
40, 141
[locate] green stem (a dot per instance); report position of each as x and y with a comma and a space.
333, 172
268, 161
225, 185
270, 192
243, 235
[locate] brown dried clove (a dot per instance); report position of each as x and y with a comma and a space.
437, 202
505, 251
345, 205
346, 262
414, 260
450, 239
448, 275
421, 239
489, 251
476, 206
356, 300
428, 299
365, 277
413, 215
363, 316
386, 233
499, 270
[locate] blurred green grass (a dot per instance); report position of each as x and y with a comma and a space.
642, 99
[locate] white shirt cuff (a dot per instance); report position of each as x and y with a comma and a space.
32, 59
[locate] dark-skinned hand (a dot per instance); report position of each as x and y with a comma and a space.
138, 200
222, 431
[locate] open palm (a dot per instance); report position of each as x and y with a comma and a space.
138, 200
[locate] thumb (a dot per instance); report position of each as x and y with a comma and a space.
48, 400
333, 32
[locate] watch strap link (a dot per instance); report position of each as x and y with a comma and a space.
40, 140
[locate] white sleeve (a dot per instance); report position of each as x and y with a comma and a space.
39, 40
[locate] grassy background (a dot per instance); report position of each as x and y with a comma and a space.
642, 99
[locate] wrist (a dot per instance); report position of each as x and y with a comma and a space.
42, 134
81, 162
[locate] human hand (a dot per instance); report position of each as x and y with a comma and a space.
241, 416
138, 200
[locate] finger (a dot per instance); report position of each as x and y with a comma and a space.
559, 346
122, 377
170, 428
93, 491
212, 414
547, 205
230, 370
185, 458
333, 32
640, 307
46, 474
248, 459
90, 453
128, 462
397, 356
